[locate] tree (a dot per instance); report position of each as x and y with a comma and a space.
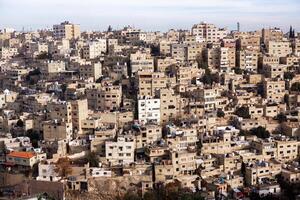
44, 56
20, 123
238, 70
260, 132
93, 159
296, 87
281, 118
209, 78
34, 136
242, 112
130, 195
220, 113
63, 167
33, 76
289, 75
244, 133
109, 29
291, 32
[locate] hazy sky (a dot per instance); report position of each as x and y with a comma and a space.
149, 14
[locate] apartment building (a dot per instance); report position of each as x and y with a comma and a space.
148, 83
209, 98
291, 175
79, 112
52, 67
94, 49
108, 97
287, 150
246, 42
91, 70
296, 47
279, 48
164, 64
147, 135
227, 59
66, 30
212, 57
208, 32
120, 151
216, 145
256, 172
140, 61
271, 34
183, 162
179, 52
57, 130
194, 51
274, 90
165, 47
170, 107
274, 71
8, 52
149, 110
105, 132
247, 59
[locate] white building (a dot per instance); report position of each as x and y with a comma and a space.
208, 32
47, 172
121, 151
94, 49
141, 61
149, 110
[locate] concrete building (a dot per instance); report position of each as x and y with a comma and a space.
149, 110
208, 33
120, 152
66, 30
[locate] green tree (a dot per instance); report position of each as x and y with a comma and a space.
34, 136
131, 196
20, 123
289, 75
208, 78
93, 159
220, 113
260, 132
296, 87
238, 70
281, 118
242, 112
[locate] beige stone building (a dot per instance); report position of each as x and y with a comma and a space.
257, 171
108, 97
90, 71
66, 30
247, 59
208, 33
120, 151
141, 62
279, 48
274, 90
57, 130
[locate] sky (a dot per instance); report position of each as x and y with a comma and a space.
151, 15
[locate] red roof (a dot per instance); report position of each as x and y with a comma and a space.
21, 154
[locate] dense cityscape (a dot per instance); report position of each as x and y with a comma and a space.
205, 113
